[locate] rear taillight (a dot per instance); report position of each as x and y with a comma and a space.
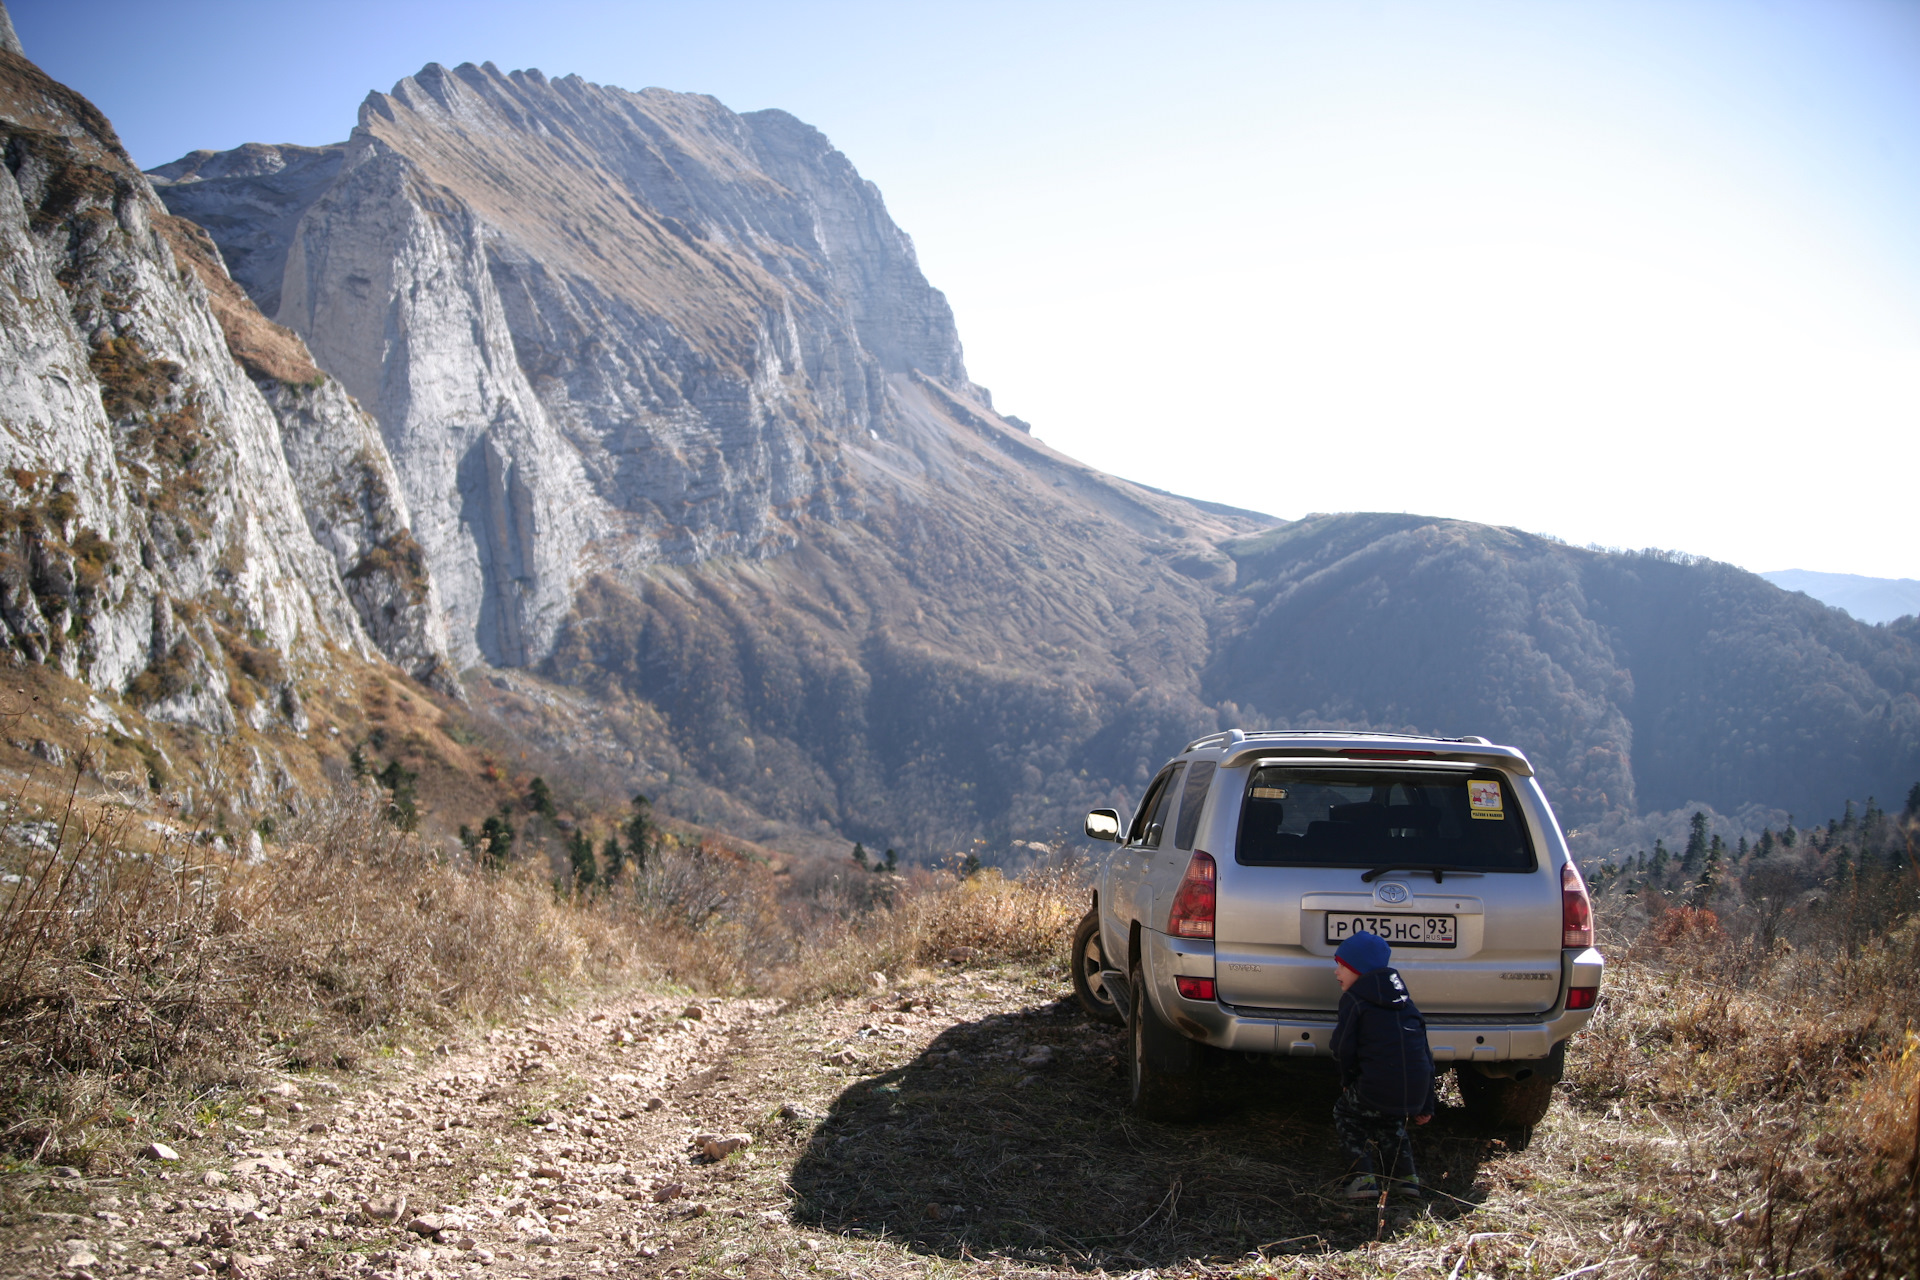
1195, 988
1192, 914
1582, 997
1576, 908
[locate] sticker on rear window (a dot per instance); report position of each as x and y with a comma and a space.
1483, 800
1269, 793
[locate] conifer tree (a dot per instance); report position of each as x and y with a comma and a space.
540, 799
640, 832
402, 809
615, 857
581, 861
1913, 799
1696, 841
893, 862
497, 831
859, 853
1710, 874
1789, 836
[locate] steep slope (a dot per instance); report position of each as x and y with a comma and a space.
158, 539
680, 423
154, 528
1637, 682
694, 460
634, 320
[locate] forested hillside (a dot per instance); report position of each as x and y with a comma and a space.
1636, 681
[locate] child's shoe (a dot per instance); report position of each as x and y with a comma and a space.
1364, 1187
1408, 1188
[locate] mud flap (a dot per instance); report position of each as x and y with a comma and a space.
1116, 984
1163, 1047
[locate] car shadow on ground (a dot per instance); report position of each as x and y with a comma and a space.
976, 1147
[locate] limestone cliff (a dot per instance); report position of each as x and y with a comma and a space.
154, 537
680, 422
636, 321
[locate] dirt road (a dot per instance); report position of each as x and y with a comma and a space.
968, 1122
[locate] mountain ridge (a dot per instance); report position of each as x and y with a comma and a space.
706, 506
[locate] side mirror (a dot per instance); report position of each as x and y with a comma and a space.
1103, 824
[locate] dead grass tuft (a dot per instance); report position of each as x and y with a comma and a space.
718, 924
142, 965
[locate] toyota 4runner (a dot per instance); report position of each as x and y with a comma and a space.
1252, 855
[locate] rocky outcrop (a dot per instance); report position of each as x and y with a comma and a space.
349, 492
154, 539
639, 328
155, 523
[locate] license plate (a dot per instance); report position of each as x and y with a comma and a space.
1400, 931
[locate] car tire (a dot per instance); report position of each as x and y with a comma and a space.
1162, 1065
1505, 1106
1088, 963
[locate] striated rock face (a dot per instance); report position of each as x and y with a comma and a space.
680, 423
638, 328
156, 531
349, 492
153, 539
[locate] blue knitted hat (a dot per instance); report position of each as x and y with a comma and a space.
1365, 952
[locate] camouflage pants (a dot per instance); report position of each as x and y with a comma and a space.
1364, 1132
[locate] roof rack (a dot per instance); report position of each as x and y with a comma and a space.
1473, 739
1225, 738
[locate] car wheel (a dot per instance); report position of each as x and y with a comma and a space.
1089, 988
1505, 1106
1162, 1065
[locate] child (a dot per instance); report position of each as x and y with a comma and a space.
1386, 1071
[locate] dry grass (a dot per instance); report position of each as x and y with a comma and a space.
146, 967
1732, 1110
718, 923
1786, 1078
142, 966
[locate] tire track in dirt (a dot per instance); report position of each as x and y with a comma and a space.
564, 1146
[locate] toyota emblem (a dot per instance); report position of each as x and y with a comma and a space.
1392, 892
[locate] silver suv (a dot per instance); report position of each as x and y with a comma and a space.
1252, 855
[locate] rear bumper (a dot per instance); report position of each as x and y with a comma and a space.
1306, 1033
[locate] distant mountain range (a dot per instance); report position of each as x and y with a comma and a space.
632, 421
1868, 599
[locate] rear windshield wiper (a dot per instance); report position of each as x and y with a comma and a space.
1439, 870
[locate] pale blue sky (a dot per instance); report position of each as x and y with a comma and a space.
1629, 273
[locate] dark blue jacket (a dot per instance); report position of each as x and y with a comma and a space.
1381, 1045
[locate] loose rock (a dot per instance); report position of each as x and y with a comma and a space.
718, 1146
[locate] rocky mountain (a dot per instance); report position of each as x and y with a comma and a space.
633, 420
163, 533
681, 423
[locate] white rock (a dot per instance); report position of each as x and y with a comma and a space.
160, 1151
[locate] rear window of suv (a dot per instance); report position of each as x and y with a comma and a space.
1376, 817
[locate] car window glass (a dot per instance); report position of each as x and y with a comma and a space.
1199, 781
1147, 820
1376, 817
